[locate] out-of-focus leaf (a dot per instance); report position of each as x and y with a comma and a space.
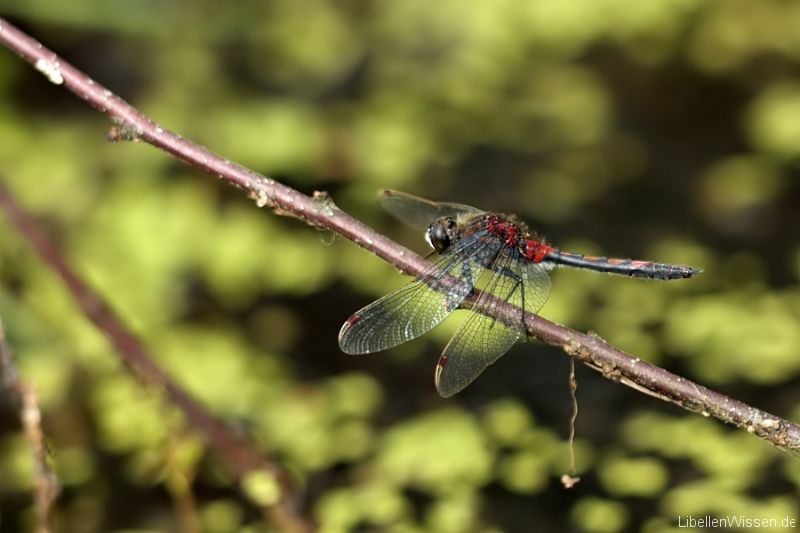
439, 452
596, 515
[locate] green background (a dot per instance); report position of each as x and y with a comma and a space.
666, 130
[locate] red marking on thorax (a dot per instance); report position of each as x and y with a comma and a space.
536, 250
508, 231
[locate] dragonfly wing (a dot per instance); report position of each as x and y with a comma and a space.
420, 212
417, 307
536, 284
478, 343
482, 340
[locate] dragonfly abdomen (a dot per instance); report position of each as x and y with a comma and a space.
626, 267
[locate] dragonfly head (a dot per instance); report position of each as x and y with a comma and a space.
442, 233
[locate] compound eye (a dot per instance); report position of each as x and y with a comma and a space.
440, 233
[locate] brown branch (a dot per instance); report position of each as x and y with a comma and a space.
239, 455
319, 211
46, 486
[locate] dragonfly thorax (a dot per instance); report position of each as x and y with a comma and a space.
442, 233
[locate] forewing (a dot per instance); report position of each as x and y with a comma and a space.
420, 212
417, 307
482, 340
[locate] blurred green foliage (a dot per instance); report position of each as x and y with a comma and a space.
667, 130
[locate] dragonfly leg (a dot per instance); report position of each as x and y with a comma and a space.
518, 284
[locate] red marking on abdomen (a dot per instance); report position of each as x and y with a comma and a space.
640, 264
536, 251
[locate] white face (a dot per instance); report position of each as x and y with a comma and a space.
428, 237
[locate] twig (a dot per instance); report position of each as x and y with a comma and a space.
319, 211
240, 456
569, 479
46, 486
179, 482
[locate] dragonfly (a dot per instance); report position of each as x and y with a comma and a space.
478, 252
